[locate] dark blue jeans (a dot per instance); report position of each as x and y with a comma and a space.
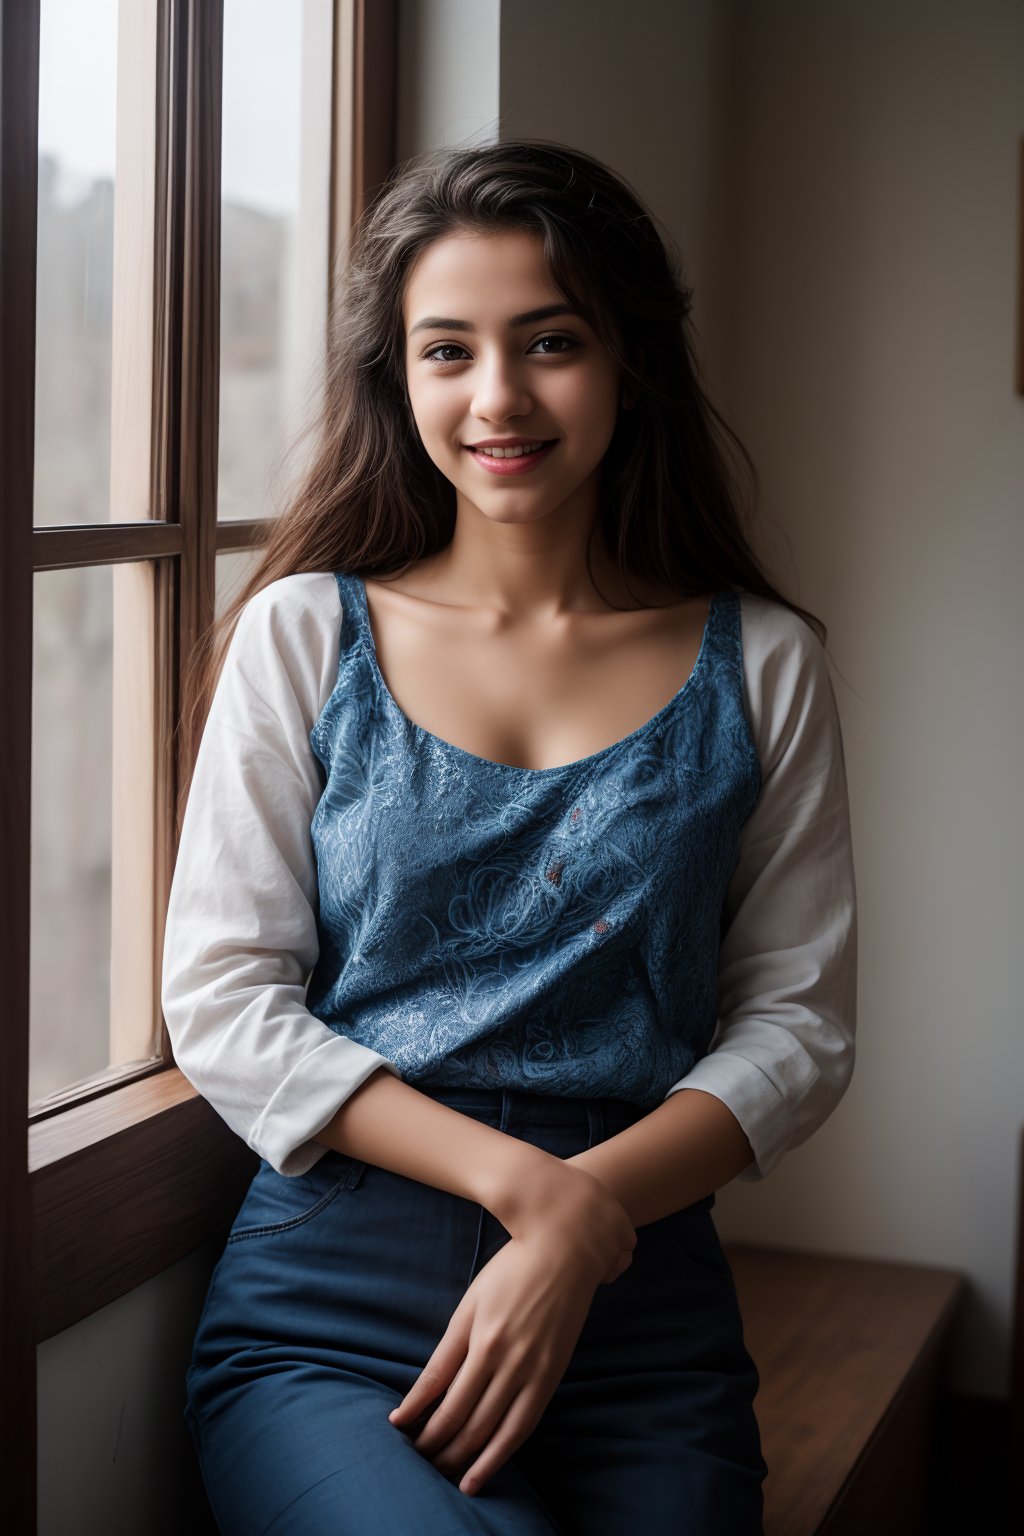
334, 1289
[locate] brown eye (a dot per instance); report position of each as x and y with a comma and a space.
568, 343
444, 346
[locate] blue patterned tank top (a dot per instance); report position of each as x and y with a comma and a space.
551, 929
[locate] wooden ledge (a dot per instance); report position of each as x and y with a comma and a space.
63, 1137
849, 1354
123, 1186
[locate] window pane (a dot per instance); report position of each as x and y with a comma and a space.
71, 827
77, 96
233, 569
92, 999
275, 173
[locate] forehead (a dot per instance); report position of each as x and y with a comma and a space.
472, 274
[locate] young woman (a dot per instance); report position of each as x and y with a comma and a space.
514, 908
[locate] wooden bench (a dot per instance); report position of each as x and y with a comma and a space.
849, 1352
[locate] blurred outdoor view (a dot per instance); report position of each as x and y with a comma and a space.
265, 342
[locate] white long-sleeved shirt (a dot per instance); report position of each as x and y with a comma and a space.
241, 935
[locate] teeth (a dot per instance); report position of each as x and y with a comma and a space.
508, 453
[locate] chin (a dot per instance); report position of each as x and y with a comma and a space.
508, 515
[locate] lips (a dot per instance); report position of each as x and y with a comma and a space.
510, 442
521, 464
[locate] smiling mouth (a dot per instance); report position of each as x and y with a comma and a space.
518, 452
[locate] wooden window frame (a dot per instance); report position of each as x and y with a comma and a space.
137, 1171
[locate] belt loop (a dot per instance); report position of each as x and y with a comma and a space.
595, 1123
506, 1106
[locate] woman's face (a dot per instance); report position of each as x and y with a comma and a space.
483, 366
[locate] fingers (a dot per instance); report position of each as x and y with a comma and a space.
485, 1413
436, 1376
429, 1386
506, 1348
517, 1424
488, 1413
465, 1421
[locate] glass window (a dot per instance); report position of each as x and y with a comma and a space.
275, 190
75, 261
91, 965
233, 569
71, 827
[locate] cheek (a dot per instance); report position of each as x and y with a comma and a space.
591, 405
433, 411
593, 423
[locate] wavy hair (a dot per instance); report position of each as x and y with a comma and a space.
677, 488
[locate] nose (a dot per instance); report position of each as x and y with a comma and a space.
501, 389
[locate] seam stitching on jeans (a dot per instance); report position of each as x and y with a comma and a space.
293, 1221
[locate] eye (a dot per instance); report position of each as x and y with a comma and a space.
568, 343
444, 346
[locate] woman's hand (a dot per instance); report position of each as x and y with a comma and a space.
503, 1354
512, 1335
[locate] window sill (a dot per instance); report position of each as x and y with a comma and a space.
122, 1187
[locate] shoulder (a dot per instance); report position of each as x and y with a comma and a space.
307, 598
786, 681
777, 644
286, 640
771, 628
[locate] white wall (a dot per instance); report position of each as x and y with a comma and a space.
115, 1456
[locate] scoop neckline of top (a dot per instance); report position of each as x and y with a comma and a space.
370, 647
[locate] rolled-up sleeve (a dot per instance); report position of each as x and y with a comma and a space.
241, 931
783, 1053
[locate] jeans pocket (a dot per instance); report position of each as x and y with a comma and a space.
277, 1202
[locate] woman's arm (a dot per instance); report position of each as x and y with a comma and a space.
685, 1149
392, 1125
240, 939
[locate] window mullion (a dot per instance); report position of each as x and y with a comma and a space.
135, 1018
200, 313
61, 548
185, 365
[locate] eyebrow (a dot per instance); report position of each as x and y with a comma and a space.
440, 323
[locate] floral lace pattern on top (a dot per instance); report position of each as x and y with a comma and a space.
555, 929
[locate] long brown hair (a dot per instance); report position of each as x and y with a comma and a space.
677, 487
